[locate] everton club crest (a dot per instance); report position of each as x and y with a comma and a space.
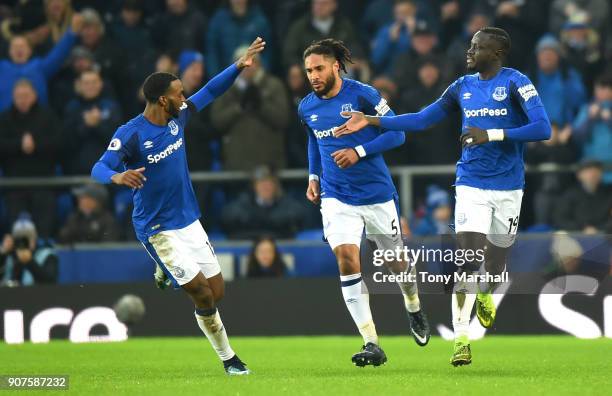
500, 94
346, 107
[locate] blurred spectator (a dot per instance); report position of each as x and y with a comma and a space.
29, 144
566, 255
202, 134
587, 206
441, 138
557, 150
263, 210
582, 48
232, 27
253, 115
593, 126
106, 53
377, 14
393, 39
451, 15
322, 22
181, 27
386, 87
37, 70
561, 11
81, 60
166, 63
90, 120
59, 15
90, 221
25, 18
523, 22
559, 85
265, 261
297, 138
25, 262
438, 214
134, 37
423, 45
457, 49
191, 72
130, 31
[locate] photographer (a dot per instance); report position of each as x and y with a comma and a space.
22, 261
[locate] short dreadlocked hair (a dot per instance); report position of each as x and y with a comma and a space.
500, 35
333, 48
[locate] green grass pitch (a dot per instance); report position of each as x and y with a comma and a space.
551, 365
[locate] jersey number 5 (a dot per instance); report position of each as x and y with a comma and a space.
394, 227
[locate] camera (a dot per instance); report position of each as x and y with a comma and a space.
22, 243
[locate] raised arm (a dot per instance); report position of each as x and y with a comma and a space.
224, 80
56, 57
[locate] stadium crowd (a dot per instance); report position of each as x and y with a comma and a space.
71, 73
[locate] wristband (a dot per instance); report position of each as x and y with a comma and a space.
495, 135
313, 177
360, 151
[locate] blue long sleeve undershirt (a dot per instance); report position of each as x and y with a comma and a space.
314, 156
385, 141
104, 169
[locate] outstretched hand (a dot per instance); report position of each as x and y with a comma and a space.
256, 47
354, 124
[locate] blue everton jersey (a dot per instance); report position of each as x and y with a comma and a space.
368, 181
499, 103
167, 200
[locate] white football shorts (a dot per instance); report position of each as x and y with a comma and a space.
344, 223
183, 253
491, 212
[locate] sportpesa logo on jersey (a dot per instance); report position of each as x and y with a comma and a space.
325, 133
485, 112
154, 159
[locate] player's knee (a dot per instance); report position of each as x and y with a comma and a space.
219, 294
470, 244
203, 296
348, 259
495, 258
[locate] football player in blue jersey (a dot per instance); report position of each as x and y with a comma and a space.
351, 182
500, 110
147, 154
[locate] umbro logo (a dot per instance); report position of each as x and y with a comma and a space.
148, 144
467, 95
313, 117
